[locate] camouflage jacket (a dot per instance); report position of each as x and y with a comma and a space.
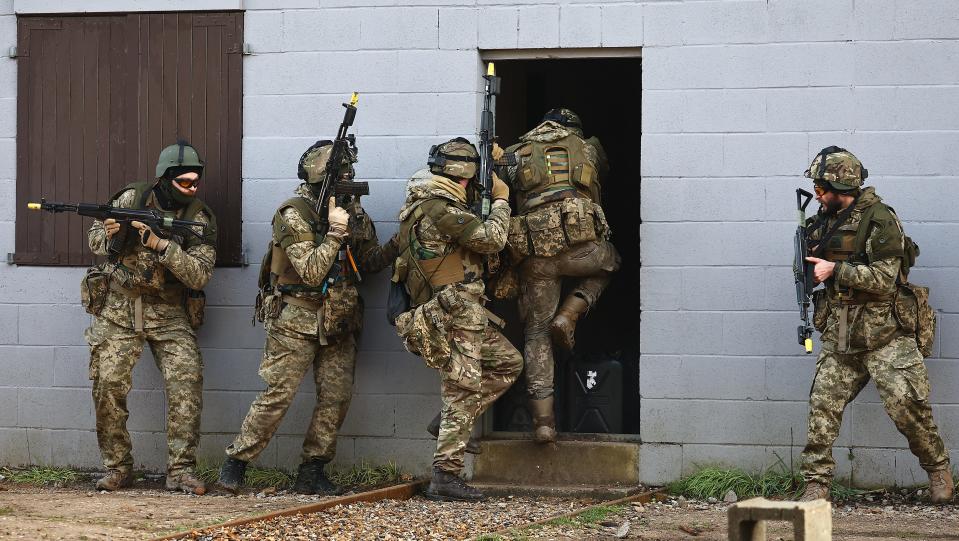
313, 260
442, 233
160, 277
870, 324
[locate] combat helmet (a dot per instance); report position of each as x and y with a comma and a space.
566, 117
454, 158
838, 168
181, 157
312, 165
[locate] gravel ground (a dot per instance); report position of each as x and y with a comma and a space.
389, 520
885, 518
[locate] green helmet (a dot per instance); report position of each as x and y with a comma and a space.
179, 155
839, 168
564, 116
454, 158
312, 166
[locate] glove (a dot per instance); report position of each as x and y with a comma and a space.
148, 238
111, 227
500, 189
339, 220
497, 152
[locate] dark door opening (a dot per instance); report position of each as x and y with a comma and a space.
606, 93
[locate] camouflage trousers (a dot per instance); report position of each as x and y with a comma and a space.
541, 283
903, 384
113, 352
483, 366
286, 358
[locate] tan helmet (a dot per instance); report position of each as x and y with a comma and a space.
839, 168
454, 158
312, 166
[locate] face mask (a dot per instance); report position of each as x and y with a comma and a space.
169, 197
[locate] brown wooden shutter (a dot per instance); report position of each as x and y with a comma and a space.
99, 96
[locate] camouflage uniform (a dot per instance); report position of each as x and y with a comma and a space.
862, 338
312, 328
155, 283
451, 330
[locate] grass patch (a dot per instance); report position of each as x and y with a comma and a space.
359, 475
4, 511
366, 474
42, 476
776, 482
592, 515
489, 537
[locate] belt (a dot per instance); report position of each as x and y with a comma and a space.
313, 306
137, 296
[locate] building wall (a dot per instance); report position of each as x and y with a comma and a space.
738, 96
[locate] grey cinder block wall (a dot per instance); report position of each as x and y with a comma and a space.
738, 96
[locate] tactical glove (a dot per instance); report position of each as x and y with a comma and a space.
111, 227
497, 152
339, 220
500, 189
148, 238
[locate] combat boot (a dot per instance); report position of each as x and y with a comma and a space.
115, 480
472, 446
563, 327
311, 479
940, 486
544, 423
187, 482
232, 474
449, 487
815, 491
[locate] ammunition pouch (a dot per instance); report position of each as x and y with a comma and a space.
551, 229
342, 310
194, 303
915, 316
821, 309
586, 179
94, 288
504, 285
267, 306
425, 331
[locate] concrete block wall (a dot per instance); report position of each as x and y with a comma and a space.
738, 96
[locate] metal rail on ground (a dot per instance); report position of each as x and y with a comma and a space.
641, 497
395, 492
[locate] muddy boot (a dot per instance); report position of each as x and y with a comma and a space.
815, 491
231, 475
563, 327
940, 486
187, 482
448, 487
115, 480
472, 446
544, 423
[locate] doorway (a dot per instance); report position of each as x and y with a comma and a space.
606, 94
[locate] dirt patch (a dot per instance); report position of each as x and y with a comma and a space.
694, 521
143, 512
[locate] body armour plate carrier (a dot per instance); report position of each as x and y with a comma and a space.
555, 170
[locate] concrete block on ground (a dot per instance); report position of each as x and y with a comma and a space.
812, 521
525, 462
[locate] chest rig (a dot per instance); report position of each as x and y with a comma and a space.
553, 171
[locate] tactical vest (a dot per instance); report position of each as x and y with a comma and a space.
423, 272
553, 171
281, 271
143, 264
848, 244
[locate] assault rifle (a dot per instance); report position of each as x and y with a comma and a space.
803, 271
344, 146
151, 217
487, 136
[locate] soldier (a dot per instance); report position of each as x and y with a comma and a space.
441, 246
153, 283
865, 259
313, 313
560, 231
